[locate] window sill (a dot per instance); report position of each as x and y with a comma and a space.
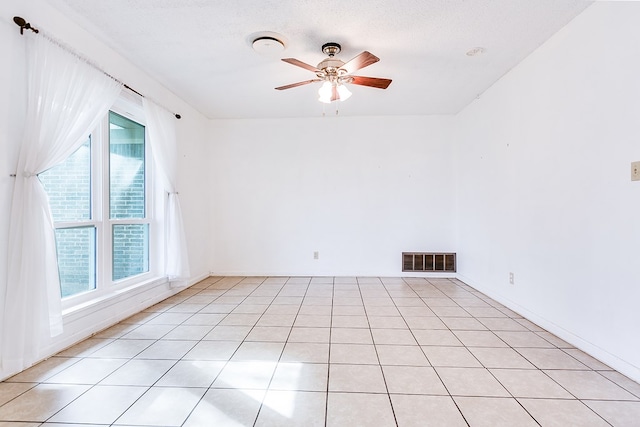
111, 298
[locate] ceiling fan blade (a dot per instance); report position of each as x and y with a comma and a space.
306, 82
363, 60
371, 81
301, 64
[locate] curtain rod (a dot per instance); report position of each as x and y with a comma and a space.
24, 25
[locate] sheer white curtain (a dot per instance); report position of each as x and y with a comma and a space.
66, 99
164, 146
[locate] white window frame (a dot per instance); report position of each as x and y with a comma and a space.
129, 107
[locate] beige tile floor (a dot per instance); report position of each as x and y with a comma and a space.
233, 351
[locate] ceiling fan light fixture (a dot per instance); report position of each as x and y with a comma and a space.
343, 92
325, 92
332, 91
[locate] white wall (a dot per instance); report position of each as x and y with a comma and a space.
191, 135
544, 186
357, 190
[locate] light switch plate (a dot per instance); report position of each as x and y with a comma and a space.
635, 171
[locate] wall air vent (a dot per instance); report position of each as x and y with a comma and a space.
428, 262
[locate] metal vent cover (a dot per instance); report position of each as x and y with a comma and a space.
429, 261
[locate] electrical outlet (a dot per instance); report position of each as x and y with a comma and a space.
511, 280
635, 171
316, 255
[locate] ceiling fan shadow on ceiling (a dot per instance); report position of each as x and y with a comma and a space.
336, 74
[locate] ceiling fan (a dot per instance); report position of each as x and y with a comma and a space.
335, 74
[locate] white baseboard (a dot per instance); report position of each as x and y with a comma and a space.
432, 275
593, 350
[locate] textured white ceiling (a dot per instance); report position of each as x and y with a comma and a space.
201, 50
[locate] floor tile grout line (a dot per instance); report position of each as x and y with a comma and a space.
326, 400
182, 359
209, 387
148, 387
636, 395
226, 362
537, 368
444, 384
384, 377
279, 358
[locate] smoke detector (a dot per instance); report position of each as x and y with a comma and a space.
267, 43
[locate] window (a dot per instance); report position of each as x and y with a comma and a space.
127, 197
100, 199
69, 186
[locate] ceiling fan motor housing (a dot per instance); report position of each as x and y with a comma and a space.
330, 67
331, 48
